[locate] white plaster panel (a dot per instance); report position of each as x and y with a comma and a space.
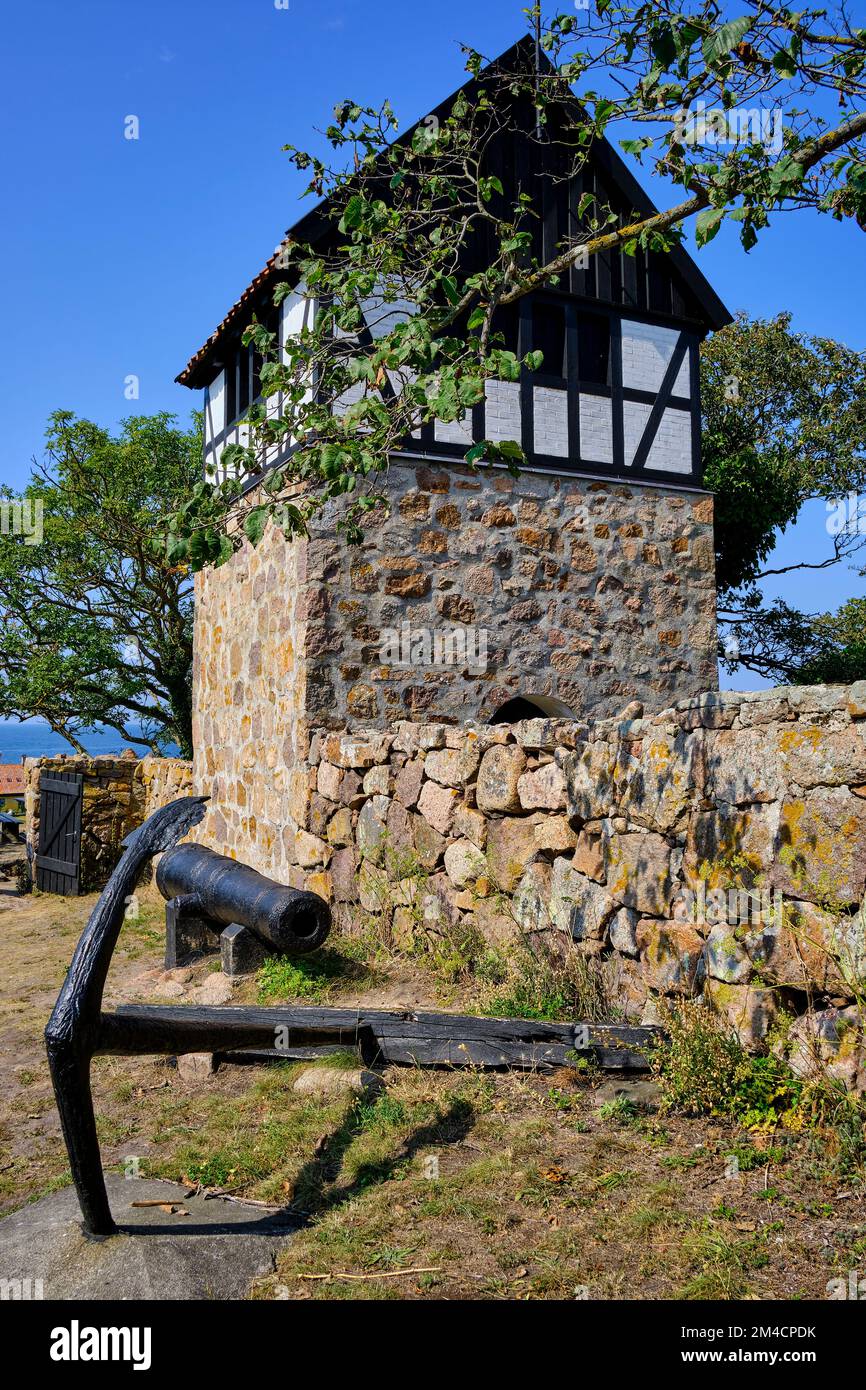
596, 429
456, 431
646, 351
550, 412
503, 410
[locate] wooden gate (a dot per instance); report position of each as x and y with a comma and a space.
58, 858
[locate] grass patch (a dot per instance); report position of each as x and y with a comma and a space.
315, 977
621, 1110
525, 985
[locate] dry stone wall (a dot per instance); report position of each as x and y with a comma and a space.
118, 794
717, 847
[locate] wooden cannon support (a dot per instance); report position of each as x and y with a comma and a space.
78, 1030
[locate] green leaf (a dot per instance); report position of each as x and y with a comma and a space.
353, 214
708, 224
636, 146
476, 452
724, 40
785, 63
603, 108
786, 176
177, 549
510, 449
255, 523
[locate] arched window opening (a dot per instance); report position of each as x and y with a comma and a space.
531, 707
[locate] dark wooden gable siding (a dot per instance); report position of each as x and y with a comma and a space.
648, 282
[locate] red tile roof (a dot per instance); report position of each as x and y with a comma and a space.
277, 262
11, 779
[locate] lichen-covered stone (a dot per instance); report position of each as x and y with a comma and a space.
429, 844
470, 825
344, 876
622, 931
589, 776
372, 821
628, 986
360, 752
328, 781
588, 855
743, 767
495, 923
662, 782
828, 1042
805, 947
511, 845
554, 835
408, 782
498, 779
671, 955
543, 789
578, 906
638, 870
727, 958
813, 755
464, 863
452, 767
532, 899
719, 838
855, 702
310, 850
749, 1010
820, 850
340, 828
377, 781
437, 805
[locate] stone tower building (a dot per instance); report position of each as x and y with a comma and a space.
584, 583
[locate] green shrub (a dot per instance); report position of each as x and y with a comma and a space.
703, 1069
697, 1066
574, 987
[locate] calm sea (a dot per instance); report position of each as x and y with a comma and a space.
34, 739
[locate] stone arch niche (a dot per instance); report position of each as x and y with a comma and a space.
531, 707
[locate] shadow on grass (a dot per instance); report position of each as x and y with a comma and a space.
324, 1168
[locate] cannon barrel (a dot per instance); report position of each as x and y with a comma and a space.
286, 919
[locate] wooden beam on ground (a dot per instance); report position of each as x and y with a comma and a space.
404, 1037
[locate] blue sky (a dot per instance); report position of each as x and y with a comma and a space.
120, 256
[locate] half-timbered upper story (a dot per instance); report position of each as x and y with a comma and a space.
618, 393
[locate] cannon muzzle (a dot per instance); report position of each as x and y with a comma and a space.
286, 919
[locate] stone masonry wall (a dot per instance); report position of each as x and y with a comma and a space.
249, 698
588, 594
118, 794
716, 847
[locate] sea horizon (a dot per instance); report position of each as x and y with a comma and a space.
34, 738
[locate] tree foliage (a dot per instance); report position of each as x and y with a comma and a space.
676, 84
784, 418
96, 620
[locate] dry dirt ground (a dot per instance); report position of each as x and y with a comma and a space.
444, 1184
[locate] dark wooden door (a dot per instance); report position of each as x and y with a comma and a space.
58, 858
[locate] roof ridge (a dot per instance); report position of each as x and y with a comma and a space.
616, 167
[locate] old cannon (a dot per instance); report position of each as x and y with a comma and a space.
215, 900
79, 1029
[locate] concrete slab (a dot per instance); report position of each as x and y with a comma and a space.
213, 1253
